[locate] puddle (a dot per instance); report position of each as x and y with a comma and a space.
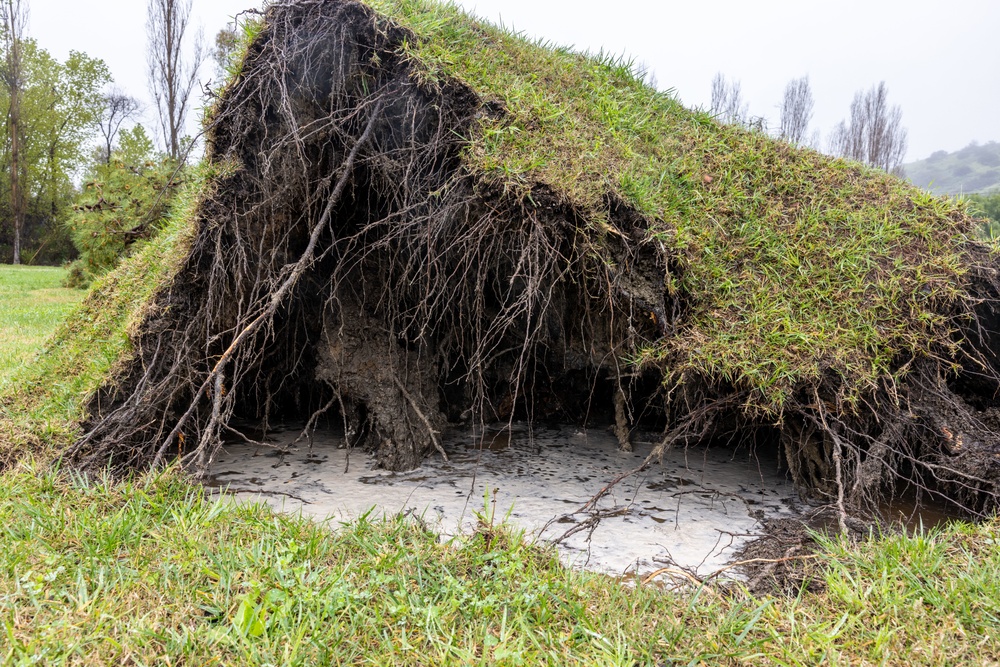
917, 513
693, 510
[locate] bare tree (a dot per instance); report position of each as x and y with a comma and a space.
645, 73
14, 16
814, 141
727, 101
796, 110
874, 133
171, 77
118, 107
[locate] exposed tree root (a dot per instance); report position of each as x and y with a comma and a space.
622, 426
277, 298
347, 262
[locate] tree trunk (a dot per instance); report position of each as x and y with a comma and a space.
14, 18
16, 203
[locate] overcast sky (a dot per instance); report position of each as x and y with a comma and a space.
940, 61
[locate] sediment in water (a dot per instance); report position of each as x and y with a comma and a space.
693, 512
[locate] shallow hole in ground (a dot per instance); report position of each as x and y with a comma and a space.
696, 510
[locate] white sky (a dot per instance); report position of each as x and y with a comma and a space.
941, 61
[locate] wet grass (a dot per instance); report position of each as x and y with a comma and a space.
153, 571
34, 302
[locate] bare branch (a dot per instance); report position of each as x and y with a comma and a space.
118, 108
874, 133
727, 101
796, 111
171, 76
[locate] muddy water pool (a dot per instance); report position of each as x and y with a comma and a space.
695, 510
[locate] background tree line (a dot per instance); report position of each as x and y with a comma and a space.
80, 178
77, 183
50, 108
872, 133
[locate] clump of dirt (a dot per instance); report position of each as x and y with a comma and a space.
350, 264
783, 561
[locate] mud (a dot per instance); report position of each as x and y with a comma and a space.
696, 510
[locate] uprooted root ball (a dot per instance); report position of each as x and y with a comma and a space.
420, 220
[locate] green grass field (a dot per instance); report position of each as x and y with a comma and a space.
152, 571
34, 302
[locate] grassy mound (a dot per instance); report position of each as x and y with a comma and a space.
791, 265
415, 219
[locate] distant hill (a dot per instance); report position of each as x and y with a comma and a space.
975, 168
